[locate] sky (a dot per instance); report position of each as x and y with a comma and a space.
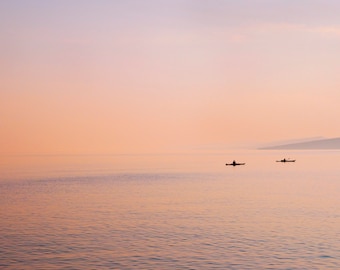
154, 76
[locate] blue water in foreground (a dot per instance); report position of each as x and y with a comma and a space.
171, 212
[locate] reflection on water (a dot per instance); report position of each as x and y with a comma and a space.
178, 212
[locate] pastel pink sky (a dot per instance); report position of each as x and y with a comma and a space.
166, 75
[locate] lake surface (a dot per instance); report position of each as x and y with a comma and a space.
186, 211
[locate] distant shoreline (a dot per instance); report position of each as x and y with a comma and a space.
333, 143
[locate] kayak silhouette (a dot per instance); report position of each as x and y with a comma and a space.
234, 163
286, 160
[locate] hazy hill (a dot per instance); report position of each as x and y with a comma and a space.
333, 143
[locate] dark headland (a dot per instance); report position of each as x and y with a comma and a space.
333, 143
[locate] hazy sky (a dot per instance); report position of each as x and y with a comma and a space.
166, 75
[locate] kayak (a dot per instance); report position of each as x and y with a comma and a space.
286, 160
234, 164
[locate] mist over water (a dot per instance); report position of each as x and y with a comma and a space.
171, 211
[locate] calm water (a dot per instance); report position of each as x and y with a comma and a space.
171, 211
